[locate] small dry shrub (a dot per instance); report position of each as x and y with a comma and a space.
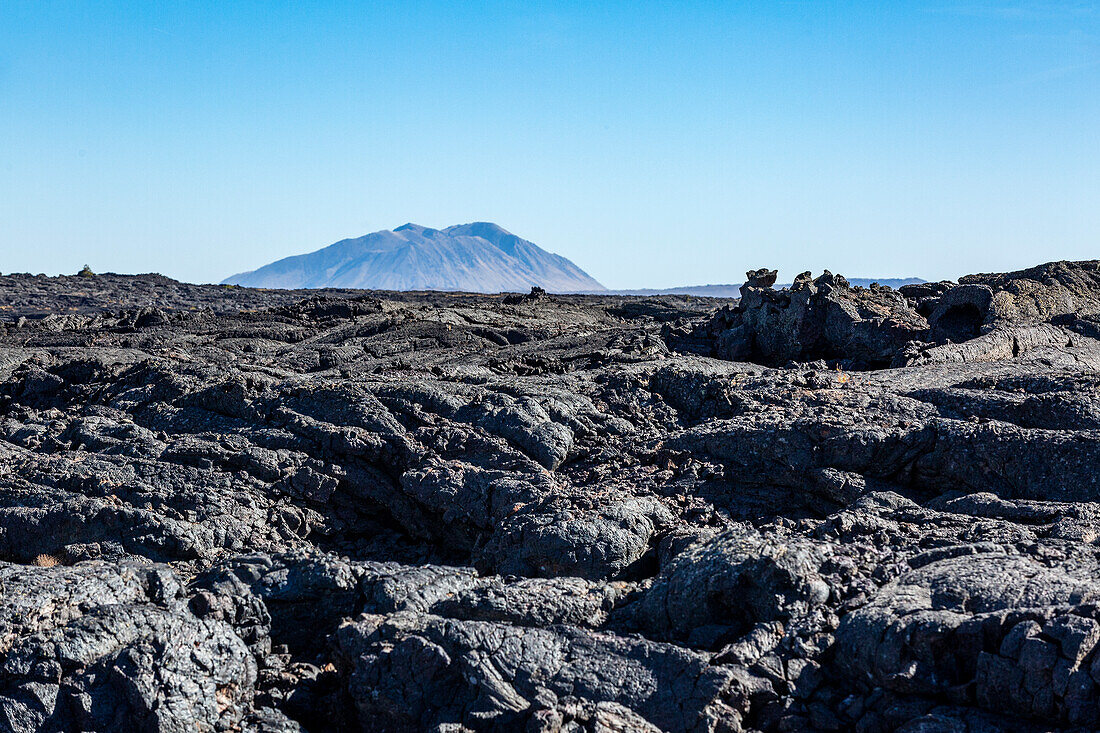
46, 561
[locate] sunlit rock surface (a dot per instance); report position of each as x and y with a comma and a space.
821, 508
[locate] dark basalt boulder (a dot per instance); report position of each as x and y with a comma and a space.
1040, 293
420, 672
534, 296
106, 646
1005, 632
728, 584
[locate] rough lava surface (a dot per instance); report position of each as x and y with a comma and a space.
820, 508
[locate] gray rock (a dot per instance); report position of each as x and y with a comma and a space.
232, 509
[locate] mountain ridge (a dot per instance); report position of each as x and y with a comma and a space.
475, 257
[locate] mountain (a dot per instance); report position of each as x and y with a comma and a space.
479, 257
734, 290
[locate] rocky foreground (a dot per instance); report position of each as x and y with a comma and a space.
822, 508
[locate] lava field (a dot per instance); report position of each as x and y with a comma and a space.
818, 508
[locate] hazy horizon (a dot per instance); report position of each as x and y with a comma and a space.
655, 146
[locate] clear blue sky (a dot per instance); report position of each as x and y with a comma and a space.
655, 144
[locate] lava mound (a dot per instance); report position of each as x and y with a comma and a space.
867, 328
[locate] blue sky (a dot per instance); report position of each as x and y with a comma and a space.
655, 144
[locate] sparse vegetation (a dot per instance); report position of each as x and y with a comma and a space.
45, 561
85, 272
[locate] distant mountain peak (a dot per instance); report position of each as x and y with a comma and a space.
410, 227
480, 229
476, 257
